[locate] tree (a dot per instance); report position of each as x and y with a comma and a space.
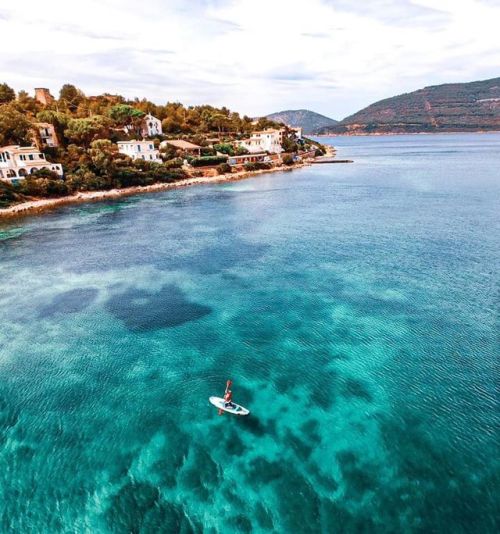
15, 127
25, 103
7, 94
127, 117
225, 148
289, 145
70, 96
83, 131
103, 154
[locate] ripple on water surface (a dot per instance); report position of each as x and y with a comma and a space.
353, 306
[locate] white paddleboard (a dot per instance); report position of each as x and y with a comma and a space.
235, 409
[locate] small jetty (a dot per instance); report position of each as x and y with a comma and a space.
327, 159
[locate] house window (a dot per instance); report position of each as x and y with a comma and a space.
150, 147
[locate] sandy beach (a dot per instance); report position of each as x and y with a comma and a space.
36, 206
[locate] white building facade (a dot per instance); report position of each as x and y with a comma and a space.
151, 126
264, 141
139, 150
17, 162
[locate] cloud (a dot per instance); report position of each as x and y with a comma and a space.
255, 56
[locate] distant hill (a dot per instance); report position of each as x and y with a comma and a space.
309, 121
452, 107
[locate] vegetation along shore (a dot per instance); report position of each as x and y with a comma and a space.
77, 148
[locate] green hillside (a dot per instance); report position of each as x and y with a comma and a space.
454, 107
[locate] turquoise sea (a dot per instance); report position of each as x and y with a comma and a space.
354, 306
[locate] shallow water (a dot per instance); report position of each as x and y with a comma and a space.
354, 306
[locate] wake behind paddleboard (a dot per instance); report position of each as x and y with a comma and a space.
235, 409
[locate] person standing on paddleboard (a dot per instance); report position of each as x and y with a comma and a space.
228, 396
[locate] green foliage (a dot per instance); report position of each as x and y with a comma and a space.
223, 168
7, 94
175, 163
225, 148
207, 151
127, 116
289, 145
70, 97
287, 159
209, 160
83, 131
257, 166
241, 151
15, 127
9, 195
44, 184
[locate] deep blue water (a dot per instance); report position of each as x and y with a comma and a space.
354, 306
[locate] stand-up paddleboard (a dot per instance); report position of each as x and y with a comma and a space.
233, 408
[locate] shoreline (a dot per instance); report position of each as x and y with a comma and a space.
42, 205
386, 134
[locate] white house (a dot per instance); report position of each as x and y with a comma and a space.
17, 162
139, 150
151, 126
265, 140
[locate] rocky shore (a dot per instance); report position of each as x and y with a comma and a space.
36, 206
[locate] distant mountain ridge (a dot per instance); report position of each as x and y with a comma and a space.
453, 107
310, 121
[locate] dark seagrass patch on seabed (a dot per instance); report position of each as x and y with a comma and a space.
142, 310
73, 301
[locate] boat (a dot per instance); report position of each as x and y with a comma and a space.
231, 407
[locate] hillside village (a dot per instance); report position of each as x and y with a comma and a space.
55, 147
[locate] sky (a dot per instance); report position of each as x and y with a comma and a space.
253, 56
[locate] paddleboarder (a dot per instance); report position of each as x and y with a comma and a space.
226, 404
228, 396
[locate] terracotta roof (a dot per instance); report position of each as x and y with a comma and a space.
134, 141
184, 145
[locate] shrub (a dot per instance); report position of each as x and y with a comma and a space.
287, 159
209, 160
257, 166
225, 148
223, 168
44, 187
175, 163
